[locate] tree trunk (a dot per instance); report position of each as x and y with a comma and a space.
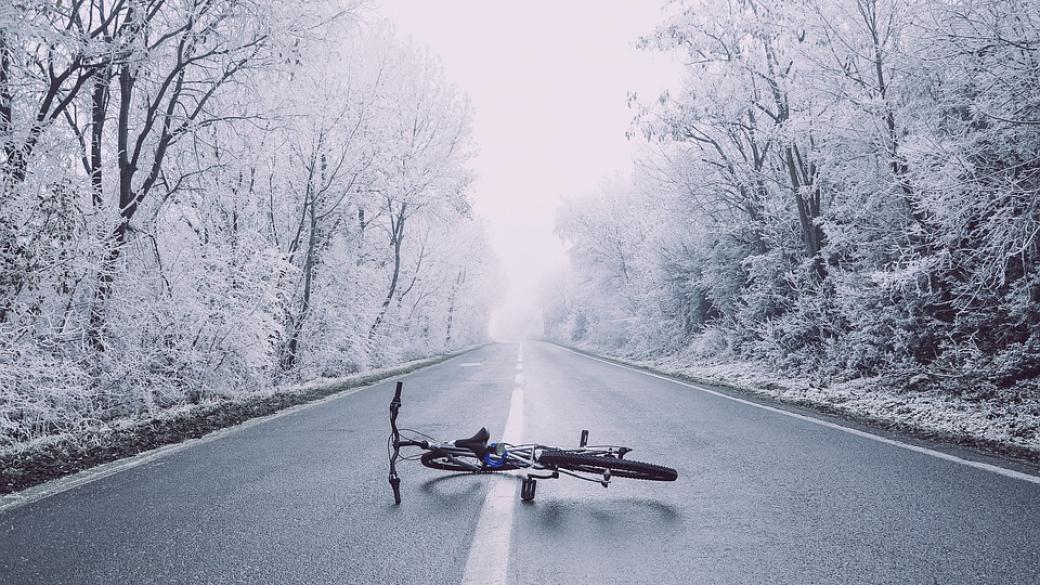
390, 293
6, 100
900, 170
808, 211
451, 306
397, 236
106, 275
290, 355
98, 109
7, 130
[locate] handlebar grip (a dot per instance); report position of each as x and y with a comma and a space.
395, 483
397, 392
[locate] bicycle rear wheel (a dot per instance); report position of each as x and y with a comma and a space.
582, 462
448, 461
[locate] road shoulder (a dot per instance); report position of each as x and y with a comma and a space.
33, 474
964, 445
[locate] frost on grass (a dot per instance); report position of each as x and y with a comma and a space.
96, 441
1009, 419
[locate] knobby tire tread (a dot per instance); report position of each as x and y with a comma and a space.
618, 467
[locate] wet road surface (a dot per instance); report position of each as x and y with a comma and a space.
761, 497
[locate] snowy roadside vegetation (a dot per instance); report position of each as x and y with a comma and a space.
100, 441
1005, 421
841, 207
202, 201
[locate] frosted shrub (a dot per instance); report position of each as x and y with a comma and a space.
710, 343
42, 395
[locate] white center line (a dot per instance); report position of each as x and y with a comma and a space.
488, 560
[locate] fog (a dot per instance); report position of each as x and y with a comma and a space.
548, 82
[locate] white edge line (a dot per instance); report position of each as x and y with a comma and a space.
910, 447
64, 484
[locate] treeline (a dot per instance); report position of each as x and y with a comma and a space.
844, 187
201, 198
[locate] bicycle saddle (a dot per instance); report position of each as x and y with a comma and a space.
477, 443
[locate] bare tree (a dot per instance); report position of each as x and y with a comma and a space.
192, 53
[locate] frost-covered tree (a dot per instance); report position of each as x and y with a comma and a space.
847, 187
425, 141
201, 198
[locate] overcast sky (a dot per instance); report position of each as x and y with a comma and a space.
548, 81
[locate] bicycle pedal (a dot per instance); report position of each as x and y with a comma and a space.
527, 489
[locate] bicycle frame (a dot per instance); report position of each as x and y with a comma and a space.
477, 455
523, 456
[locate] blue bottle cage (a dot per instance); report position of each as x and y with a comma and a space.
492, 460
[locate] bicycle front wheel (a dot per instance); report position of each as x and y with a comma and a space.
447, 461
585, 463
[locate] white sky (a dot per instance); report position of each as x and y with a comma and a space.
548, 82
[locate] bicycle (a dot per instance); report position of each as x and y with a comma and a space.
596, 463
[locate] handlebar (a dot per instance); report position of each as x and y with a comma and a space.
395, 443
397, 395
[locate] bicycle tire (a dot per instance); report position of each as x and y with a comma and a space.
598, 463
439, 460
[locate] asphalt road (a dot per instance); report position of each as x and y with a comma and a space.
761, 498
